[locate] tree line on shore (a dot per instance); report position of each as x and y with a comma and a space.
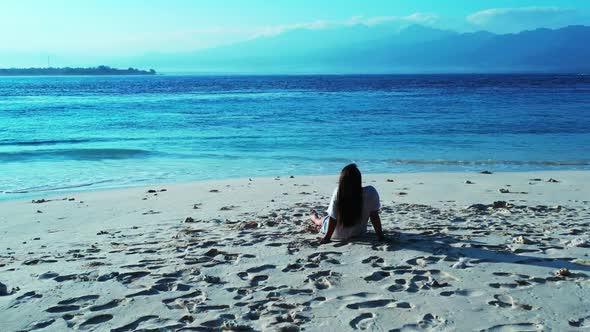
100, 70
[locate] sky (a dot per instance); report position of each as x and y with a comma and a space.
133, 27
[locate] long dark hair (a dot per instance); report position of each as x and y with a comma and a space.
349, 200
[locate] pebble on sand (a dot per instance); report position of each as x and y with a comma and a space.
39, 201
249, 225
562, 273
461, 264
501, 205
521, 240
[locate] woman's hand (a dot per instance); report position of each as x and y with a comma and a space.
331, 228
376, 221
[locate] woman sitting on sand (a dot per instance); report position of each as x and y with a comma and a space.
350, 209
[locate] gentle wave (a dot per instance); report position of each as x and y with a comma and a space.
10, 142
391, 161
492, 162
104, 154
44, 142
76, 154
56, 188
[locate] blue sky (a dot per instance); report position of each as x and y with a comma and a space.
126, 27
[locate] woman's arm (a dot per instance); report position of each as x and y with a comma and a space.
376, 221
331, 228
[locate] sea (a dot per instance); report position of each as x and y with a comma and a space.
72, 133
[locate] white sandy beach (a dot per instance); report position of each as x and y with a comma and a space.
241, 255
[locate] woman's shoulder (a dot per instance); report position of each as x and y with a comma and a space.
370, 190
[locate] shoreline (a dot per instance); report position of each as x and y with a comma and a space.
240, 254
54, 194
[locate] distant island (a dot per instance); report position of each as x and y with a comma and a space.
100, 70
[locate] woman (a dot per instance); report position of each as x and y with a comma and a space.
350, 209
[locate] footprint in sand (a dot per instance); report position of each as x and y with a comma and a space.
352, 297
109, 305
207, 308
224, 322
293, 268
322, 279
170, 285
129, 277
135, 324
468, 292
319, 257
422, 261
315, 300
372, 304
82, 301
399, 286
261, 268
99, 319
184, 301
68, 277
28, 296
404, 305
377, 276
429, 322
299, 291
509, 285
502, 301
255, 280
62, 308
362, 321
322, 283
580, 323
521, 327
506, 301
40, 324
73, 304
146, 292
402, 269
375, 261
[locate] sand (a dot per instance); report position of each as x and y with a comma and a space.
241, 255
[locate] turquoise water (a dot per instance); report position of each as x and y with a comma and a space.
60, 134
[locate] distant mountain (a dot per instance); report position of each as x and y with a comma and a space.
382, 48
415, 49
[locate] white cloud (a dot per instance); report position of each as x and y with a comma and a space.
272, 30
416, 18
517, 19
162, 40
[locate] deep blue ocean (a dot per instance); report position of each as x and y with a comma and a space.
60, 134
